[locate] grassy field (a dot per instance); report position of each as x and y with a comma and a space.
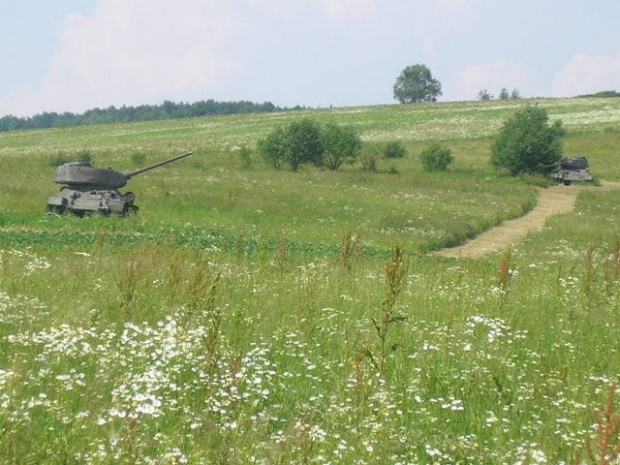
247, 315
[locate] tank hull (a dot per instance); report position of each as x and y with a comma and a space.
81, 203
566, 177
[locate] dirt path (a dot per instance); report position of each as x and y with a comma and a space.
551, 201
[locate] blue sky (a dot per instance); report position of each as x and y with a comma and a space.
72, 55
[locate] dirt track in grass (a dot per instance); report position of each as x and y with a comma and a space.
551, 201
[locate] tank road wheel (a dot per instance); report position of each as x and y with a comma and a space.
55, 209
567, 182
56, 205
129, 209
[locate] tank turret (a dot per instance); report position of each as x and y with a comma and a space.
87, 189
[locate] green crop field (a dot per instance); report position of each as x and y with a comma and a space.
247, 315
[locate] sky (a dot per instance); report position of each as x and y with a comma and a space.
75, 55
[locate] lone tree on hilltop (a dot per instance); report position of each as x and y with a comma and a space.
416, 84
527, 143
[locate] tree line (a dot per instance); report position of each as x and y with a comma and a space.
166, 110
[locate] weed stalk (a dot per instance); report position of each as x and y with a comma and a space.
130, 280
612, 266
605, 449
346, 251
503, 276
395, 272
212, 319
588, 271
281, 256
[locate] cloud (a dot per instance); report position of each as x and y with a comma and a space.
585, 74
347, 9
451, 7
490, 76
331, 9
138, 52
278, 8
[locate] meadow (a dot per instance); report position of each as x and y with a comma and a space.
247, 315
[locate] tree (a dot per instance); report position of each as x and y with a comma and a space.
485, 95
341, 144
527, 143
298, 143
416, 84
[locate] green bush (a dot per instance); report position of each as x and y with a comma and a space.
273, 148
305, 141
245, 157
138, 158
395, 149
297, 143
527, 143
436, 158
341, 143
62, 158
369, 162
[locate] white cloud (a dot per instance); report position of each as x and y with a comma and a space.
451, 7
345, 9
332, 9
490, 76
138, 52
280, 8
585, 74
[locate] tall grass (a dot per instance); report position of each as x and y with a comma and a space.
218, 356
204, 331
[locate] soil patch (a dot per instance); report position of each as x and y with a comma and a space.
551, 201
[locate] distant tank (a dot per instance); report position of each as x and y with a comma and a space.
87, 189
572, 169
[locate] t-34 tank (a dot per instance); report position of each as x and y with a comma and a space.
87, 189
573, 169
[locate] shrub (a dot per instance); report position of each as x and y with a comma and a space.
527, 143
273, 148
138, 158
84, 156
298, 143
62, 158
245, 157
436, 158
305, 143
392, 170
369, 163
341, 143
395, 149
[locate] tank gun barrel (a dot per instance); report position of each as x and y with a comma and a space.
156, 165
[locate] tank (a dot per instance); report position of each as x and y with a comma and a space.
573, 169
87, 189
